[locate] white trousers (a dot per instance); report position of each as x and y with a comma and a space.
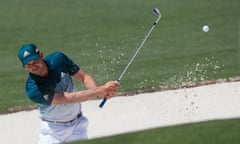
56, 133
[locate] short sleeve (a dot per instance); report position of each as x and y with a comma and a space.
63, 62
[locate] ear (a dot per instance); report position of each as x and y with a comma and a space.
41, 54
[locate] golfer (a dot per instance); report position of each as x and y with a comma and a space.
50, 86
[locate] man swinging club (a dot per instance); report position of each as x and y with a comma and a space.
50, 86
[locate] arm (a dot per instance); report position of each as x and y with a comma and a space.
105, 91
86, 79
93, 90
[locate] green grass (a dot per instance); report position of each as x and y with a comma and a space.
212, 132
101, 36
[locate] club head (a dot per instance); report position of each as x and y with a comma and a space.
156, 11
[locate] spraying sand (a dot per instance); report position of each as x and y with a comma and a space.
125, 114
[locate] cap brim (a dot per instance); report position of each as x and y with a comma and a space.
30, 58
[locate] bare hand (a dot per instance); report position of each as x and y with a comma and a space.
109, 89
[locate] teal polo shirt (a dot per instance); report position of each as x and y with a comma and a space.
41, 89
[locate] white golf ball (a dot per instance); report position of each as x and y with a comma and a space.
205, 28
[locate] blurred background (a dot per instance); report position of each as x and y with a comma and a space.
100, 36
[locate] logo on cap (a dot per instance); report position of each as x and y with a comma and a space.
26, 53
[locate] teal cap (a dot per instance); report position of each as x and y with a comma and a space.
27, 53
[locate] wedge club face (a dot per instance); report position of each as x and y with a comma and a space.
156, 11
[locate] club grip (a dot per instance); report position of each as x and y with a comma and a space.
105, 99
103, 102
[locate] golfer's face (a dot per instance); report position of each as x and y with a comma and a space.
35, 67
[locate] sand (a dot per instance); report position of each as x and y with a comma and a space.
144, 111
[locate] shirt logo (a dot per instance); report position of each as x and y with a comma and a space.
45, 97
26, 53
62, 74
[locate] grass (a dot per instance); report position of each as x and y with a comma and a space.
211, 132
100, 36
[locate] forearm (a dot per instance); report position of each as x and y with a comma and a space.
89, 82
105, 91
86, 79
78, 96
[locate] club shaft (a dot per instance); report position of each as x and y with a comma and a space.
135, 53
132, 57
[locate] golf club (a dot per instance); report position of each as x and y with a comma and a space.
158, 14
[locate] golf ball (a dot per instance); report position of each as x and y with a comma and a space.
205, 28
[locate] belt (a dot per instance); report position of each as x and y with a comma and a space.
66, 122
